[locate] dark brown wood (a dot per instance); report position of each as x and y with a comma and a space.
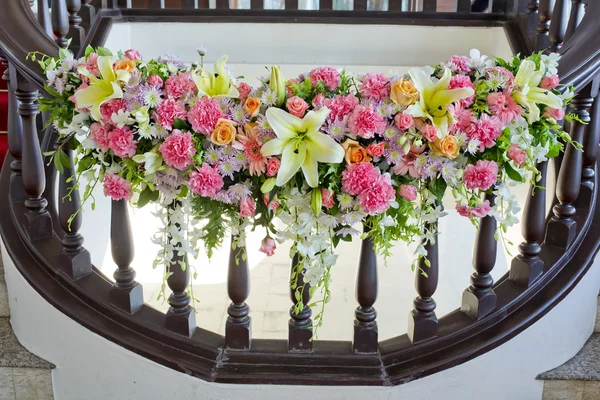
300, 330
291, 4
422, 321
76, 32
527, 267
360, 4
498, 6
43, 16
532, 18
543, 26
238, 325
14, 134
324, 5
430, 6
60, 21
395, 5
125, 294
574, 17
154, 4
87, 14
591, 138
222, 4
203, 4
558, 24
188, 4
463, 6
562, 228
479, 299
75, 260
39, 222
366, 332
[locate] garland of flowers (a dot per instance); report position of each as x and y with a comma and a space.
324, 152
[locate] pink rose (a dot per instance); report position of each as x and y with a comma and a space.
408, 192
290, 89
555, 113
327, 198
247, 207
375, 149
244, 90
268, 246
133, 54
271, 205
430, 132
155, 80
550, 82
273, 166
404, 121
296, 106
516, 154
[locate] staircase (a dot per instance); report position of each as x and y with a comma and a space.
578, 378
3, 117
23, 376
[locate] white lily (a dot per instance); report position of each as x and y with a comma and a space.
300, 144
528, 92
434, 97
217, 84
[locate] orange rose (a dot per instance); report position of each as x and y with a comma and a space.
224, 132
252, 106
447, 146
354, 152
403, 92
124, 64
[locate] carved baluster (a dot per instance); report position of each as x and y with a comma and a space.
75, 260
60, 22
591, 138
188, 4
125, 294
87, 14
562, 227
181, 317
76, 33
543, 26
300, 324
154, 4
528, 266
429, 6
203, 4
223, 4
576, 12
422, 321
39, 222
238, 325
291, 4
360, 5
558, 24
395, 5
463, 6
43, 16
325, 5
31, 3
365, 325
532, 19
479, 299
498, 6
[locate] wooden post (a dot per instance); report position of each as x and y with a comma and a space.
60, 22
43, 16
543, 26
591, 138
87, 14
558, 24
238, 326
76, 32
366, 332
300, 325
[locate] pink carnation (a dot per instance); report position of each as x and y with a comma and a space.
376, 199
112, 107
358, 177
340, 106
319, 101
462, 81
327, 198
180, 85
205, 114
409, 192
328, 75
116, 187
99, 134
155, 80
120, 140
554, 113
91, 64
404, 121
459, 64
178, 149
550, 82
474, 212
244, 89
268, 246
429, 132
503, 106
366, 122
167, 111
247, 207
375, 86
133, 54
463, 119
516, 154
481, 176
486, 130
205, 181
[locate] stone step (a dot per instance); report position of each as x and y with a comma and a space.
597, 325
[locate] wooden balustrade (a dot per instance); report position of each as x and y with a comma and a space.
479, 299
76, 33
75, 260
558, 24
125, 294
365, 324
591, 138
528, 266
543, 27
43, 17
574, 18
562, 227
422, 321
238, 326
429, 6
87, 14
463, 6
39, 222
300, 330
60, 22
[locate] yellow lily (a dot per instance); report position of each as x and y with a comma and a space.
215, 84
434, 97
528, 92
300, 144
102, 89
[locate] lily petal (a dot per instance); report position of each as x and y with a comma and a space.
313, 120
291, 160
105, 64
323, 148
417, 111
310, 170
273, 147
442, 98
285, 125
422, 83
544, 96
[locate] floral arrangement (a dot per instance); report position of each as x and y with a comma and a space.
328, 154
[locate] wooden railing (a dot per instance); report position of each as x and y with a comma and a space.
556, 251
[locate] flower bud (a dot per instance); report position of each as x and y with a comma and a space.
268, 185
277, 85
316, 200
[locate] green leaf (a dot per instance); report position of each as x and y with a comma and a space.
438, 188
181, 124
147, 196
103, 51
512, 173
63, 53
57, 164
88, 50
